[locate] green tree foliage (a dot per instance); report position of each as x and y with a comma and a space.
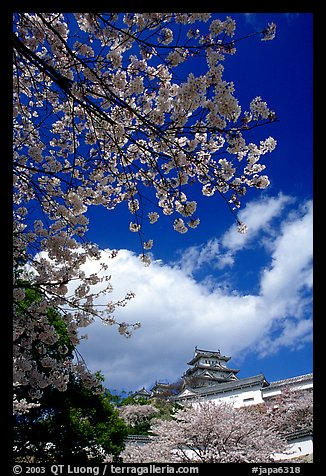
74, 425
34, 295
71, 426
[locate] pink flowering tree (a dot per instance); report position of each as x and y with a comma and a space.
292, 410
138, 417
106, 112
210, 433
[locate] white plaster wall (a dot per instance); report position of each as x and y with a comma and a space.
300, 447
237, 397
270, 392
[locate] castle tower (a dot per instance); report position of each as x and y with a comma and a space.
208, 368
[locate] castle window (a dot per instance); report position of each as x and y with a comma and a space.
247, 400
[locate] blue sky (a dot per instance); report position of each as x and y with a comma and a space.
248, 295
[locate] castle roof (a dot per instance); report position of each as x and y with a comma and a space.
215, 367
142, 393
224, 387
200, 353
287, 381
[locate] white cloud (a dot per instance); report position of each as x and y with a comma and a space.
177, 313
291, 268
220, 253
194, 257
257, 216
294, 334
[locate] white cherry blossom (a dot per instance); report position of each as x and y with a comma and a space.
103, 113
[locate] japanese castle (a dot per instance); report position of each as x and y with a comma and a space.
210, 379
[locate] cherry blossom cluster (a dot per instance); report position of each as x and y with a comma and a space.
209, 433
40, 359
21, 405
104, 114
115, 103
292, 410
135, 414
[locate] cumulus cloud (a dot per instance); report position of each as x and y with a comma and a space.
291, 266
257, 216
177, 312
220, 252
